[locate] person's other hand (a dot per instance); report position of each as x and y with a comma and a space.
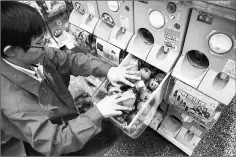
83, 102
121, 74
109, 106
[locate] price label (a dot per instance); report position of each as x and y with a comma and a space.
229, 68
124, 21
91, 9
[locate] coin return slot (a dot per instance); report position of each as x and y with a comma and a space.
161, 54
188, 136
120, 33
173, 124
89, 19
194, 64
220, 81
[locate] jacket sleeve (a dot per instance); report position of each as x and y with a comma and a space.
52, 139
68, 62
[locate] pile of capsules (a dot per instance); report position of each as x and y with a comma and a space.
151, 77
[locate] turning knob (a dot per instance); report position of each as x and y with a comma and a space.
79, 8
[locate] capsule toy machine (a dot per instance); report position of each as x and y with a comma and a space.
160, 28
70, 7
51, 42
202, 83
85, 13
34, 5
135, 122
147, 94
56, 18
82, 22
114, 29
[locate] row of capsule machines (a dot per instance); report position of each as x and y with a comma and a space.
186, 58
55, 15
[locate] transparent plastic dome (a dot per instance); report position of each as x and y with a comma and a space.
156, 19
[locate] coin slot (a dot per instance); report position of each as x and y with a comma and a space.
127, 8
177, 26
173, 124
188, 136
120, 33
89, 19
161, 54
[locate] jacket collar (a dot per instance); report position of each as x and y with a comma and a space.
21, 79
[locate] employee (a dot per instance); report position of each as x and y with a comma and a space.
36, 105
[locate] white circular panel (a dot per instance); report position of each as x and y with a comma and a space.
113, 5
220, 43
156, 19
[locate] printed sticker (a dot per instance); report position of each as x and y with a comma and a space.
194, 103
229, 68
124, 21
91, 9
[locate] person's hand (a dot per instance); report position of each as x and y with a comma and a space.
121, 74
109, 106
83, 102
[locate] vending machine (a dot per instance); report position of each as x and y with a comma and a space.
149, 92
56, 19
114, 29
51, 42
117, 22
185, 52
160, 28
185, 55
202, 83
82, 22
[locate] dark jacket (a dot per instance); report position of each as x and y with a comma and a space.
32, 110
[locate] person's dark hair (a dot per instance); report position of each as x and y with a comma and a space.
19, 24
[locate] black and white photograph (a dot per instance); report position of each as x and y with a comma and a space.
118, 78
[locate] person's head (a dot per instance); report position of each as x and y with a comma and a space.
21, 27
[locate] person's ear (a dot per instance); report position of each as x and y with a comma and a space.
9, 51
